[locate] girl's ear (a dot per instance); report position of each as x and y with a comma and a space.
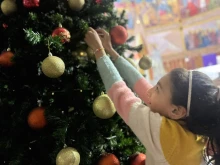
178, 112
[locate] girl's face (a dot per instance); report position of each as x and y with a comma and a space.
160, 97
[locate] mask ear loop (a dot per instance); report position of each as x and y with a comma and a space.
189, 93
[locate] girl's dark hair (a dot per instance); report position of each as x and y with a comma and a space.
204, 117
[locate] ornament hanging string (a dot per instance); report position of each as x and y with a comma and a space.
48, 46
64, 139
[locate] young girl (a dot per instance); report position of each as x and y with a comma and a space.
183, 105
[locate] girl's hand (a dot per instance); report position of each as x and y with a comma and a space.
92, 39
106, 39
106, 42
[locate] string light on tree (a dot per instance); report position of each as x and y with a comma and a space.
6, 58
8, 7
103, 107
76, 4
83, 54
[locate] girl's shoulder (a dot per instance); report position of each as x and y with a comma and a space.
176, 141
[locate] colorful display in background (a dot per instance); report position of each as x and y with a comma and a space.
185, 32
160, 12
203, 35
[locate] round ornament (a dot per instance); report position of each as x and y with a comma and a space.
103, 107
76, 4
63, 33
68, 156
145, 63
8, 7
37, 119
53, 66
4, 25
119, 35
108, 159
137, 159
31, 3
6, 58
98, 1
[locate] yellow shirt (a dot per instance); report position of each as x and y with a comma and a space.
167, 141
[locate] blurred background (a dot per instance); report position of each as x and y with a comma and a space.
175, 33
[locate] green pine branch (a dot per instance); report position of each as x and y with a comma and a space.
33, 37
54, 43
135, 48
131, 39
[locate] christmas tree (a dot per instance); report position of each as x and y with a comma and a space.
51, 102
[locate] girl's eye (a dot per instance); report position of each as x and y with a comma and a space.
157, 88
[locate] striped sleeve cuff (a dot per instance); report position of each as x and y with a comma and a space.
108, 72
127, 71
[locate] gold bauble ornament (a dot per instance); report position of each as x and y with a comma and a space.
145, 63
76, 4
132, 62
53, 66
103, 107
68, 156
8, 7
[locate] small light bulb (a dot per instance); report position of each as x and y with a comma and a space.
138, 21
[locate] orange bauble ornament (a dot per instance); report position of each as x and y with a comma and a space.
37, 119
63, 33
119, 35
137, 159
108, 159
6, 58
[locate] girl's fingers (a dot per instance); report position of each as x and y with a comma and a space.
101, 34
102, 31
91, 29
